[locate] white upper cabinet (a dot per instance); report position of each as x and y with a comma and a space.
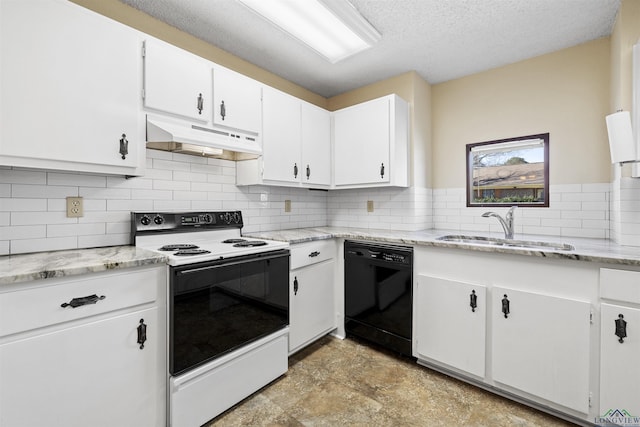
316, 146
69, 89
296, 144
370, 142
177, 82
237, 100
281, 136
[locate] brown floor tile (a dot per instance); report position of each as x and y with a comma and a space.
347, 383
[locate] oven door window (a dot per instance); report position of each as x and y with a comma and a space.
218, 307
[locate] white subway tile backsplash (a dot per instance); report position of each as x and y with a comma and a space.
22, 176
13, 205
38, 245
57, 178
62, 230
42, 191
23, 232
5, 190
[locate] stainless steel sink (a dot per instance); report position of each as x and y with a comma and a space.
509, 243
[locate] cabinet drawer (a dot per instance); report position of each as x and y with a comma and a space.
620, 285
27, 309
303, 254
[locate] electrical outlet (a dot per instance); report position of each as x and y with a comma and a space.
287, 205
74, 207
369, 205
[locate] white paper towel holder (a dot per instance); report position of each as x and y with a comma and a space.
622, 144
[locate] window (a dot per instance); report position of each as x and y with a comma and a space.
509, 172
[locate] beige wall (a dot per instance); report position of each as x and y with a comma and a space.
145, 23
625, 34
565, 93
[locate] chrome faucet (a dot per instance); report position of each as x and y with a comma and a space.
506, 222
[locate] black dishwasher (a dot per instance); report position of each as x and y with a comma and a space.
377, 286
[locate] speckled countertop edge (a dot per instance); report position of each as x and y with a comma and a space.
591, 250
42, 265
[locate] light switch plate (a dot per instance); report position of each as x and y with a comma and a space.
287, 205
369, 205
74, 207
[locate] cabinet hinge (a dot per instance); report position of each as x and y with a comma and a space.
144, 50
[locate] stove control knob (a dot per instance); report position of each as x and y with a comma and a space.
145, 220
158, 220
236, 217
207, 219
227, 217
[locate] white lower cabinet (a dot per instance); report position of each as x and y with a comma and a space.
311, 293
541, 345
619, 344
88, 365
450, 321
619, 361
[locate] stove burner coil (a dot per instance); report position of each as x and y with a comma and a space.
189, 252
177, 247
249, 244
233, 241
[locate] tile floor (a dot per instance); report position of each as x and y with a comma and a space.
346, 383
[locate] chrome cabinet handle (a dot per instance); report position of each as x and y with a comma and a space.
621, 328
223, 110
78, 302
505, 306
142, 334
473, 301
200, 103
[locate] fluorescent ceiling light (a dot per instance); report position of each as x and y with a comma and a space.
333, 28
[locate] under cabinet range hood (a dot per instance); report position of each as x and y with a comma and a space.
183, 137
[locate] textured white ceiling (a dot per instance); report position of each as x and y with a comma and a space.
440, 39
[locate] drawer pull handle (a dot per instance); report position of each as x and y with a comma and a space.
621, 328
142, 333
505, 306
473, 301
77, 302
314, 254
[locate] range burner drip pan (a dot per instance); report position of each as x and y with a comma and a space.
234, 241
249, 244
177, 247
189, 252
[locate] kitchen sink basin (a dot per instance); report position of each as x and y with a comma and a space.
508, 243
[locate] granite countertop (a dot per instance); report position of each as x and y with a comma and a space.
593, 250
43, 265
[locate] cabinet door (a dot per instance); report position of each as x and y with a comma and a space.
316, 145
93, 374
69, 89
237, 100
177, 82
542, 346
311, 301
448, 329
361, 143
619, 367
281, 136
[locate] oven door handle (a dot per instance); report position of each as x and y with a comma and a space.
228, 262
